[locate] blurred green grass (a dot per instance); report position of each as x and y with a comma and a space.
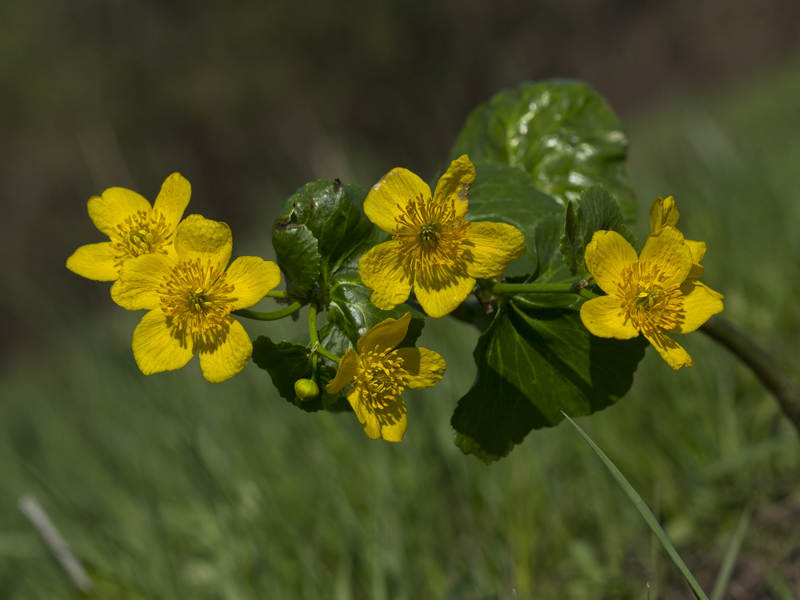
169, 487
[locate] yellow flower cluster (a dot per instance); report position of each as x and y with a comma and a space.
654, 293
176, 271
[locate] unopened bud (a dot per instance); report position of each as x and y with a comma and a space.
306, 389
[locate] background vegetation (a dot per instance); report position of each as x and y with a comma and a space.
169, 487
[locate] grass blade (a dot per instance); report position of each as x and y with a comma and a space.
646, 513
731, 554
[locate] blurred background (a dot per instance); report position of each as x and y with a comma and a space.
170, 487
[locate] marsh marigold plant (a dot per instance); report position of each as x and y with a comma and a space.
433, 249
134, 228
190, 300
651, 294
378, 372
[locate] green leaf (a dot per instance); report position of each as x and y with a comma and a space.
560, 132
350, 314
298, 256
333, 214
532, 364
286, 363
504, 194
648, 515
594, 211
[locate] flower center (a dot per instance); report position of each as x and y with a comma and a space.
146, 232
429, 233
197, 298
380, 375
646, 301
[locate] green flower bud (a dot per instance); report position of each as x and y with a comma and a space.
306, 389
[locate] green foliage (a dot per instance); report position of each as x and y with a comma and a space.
351, 314
560, 132
286, 363
538, 148
532, 364
298, 256
336, 225
504, 194
596, 210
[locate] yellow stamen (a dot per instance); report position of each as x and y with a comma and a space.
429, 233
381, 378
197, 298
146, 232
646, 301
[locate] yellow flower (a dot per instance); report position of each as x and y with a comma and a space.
649, 294
135, 228
433, 249
378, 373
190, 301
663, 213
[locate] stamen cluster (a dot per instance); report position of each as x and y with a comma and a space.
146, 232
646, 301
197, 298
381, 378
430, 233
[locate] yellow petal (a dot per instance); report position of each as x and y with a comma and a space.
348, 368
698, 251
604, 317
455, 184
388, 198
708, 289
670, 350
392, 421
114, 206
226, 357
365, 416
252, 277
198, 237
442, 290
663, 213
381, 270
94, 261
425, 367
606, 256
158, 347
139, 281
490, 248
668, 250
385, 335
173, 199
699, 303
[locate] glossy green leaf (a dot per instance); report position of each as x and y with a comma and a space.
286, 363
560, 132
333, 214
532, 364
504, 194
594, 211
350, 314
297, 254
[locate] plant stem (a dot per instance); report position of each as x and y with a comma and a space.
312, 324
268, 316
541, 288
764, 367
314, 335
329, 355
277, 294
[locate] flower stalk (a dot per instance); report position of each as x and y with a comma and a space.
542, 288
268, 316
763, 366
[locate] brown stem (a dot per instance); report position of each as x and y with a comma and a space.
764, 367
